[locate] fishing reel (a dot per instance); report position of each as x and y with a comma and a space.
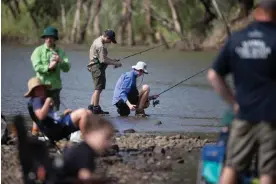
155, 102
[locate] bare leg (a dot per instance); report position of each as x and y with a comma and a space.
228, 176
80, 117
266, 179
143, 96
96, 97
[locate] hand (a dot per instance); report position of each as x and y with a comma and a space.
153, 97
50, 101
52, 64
56, 57
117, 60
117, 65
132, 107
67, 111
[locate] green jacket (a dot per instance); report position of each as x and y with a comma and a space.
40, 60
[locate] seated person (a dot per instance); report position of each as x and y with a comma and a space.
126, 95
79, 160
43, 107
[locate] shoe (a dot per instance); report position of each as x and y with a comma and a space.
98, 110
141, 113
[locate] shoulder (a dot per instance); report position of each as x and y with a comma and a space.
39, 48
98, 43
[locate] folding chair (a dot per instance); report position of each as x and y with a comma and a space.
50, 128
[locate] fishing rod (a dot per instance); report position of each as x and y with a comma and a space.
154, 99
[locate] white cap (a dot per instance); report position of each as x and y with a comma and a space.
141, 65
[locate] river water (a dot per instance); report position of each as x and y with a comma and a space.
191, 107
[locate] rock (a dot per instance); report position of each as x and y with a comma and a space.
150, 161
145, 177
178, 136
122, 181
129, 131
112, 160
115, 147
158, 137
158, 123
157, 177
158, 163
168, 157
159, 150
181, 161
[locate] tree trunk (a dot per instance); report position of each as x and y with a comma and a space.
76, 23
16, 3
246, 6
63, 19
149, 22
9, 4
94, 14
175, 16
31, 14
86, 8
122, 27
130, 39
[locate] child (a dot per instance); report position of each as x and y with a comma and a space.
79, 160
43, 107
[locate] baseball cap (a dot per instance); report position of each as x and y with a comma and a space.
111, 35
267, 4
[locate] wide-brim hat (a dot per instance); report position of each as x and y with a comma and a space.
33, 83
141, 65
50, 32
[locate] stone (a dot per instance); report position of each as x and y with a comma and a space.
145, 177
178, 136
150, 161
168, 157
129, 131
157, 177
159, 150
180, 161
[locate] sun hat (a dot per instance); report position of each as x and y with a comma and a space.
33, 83
50, 31
141, 65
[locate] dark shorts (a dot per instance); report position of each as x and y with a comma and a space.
133, 98
55, 95
98, 76
246, 139
66, 120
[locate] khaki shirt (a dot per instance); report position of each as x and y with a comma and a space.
97, 50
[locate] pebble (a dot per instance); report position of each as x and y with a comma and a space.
145, 177
159, 150
168, 157
157, 177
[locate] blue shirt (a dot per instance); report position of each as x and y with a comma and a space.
126, 82
250, 55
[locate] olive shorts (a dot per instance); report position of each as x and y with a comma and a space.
248, 138
98, 76
55, 95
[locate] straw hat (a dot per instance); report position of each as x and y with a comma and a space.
33, 83
141, 65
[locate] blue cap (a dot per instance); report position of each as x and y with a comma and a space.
111, 35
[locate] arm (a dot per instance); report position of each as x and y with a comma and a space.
125, 89
64, 62
104, 59
41, 111
216, 75
37, 63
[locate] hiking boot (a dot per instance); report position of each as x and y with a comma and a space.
141, 113
98, 110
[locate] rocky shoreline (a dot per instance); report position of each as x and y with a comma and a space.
134, 158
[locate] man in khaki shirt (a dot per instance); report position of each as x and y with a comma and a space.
98, 62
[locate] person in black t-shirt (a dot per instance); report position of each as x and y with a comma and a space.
79, 160
250, 55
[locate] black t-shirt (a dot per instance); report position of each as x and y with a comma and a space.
250, 55
78, 157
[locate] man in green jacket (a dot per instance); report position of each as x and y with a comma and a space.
48, 61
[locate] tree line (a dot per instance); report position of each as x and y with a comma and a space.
135, 22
